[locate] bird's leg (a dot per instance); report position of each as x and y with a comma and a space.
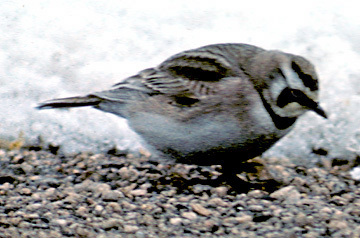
230, 176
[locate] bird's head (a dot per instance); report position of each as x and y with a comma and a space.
288, 83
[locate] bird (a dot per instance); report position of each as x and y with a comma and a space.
217, 104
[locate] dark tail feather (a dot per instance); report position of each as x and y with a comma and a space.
70, 102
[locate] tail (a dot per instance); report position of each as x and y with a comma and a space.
89, 100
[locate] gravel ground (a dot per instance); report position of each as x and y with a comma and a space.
45, 194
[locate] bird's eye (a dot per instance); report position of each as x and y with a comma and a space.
296, 93
288, 96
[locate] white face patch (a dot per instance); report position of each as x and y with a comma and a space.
294, 109
292, 78
277, 86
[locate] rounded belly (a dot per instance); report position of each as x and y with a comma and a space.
205, 140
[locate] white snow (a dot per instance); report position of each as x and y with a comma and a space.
52, 49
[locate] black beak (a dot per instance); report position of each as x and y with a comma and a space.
293, 95
312, 105
303, 100
319, 111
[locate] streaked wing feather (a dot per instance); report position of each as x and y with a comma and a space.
190, 74
203, 64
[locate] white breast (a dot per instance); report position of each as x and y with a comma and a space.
204, 132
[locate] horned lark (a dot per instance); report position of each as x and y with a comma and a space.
218, 104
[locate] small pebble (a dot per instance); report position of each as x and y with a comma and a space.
220, 191
130, 228
99, 208
200, 209
139, 192
112, 195
176, 221
290, 194
244, 219
111, 223
189, 215
25, 191
113, 207
60, 222
218, 202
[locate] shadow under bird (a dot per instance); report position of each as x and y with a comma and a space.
217, 104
